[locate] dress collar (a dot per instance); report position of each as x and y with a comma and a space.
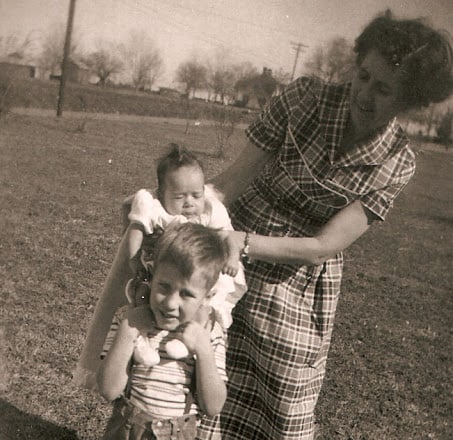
372, 151
386, 142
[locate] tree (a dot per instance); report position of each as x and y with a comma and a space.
445, 127
220, 76
333, 62
260, 86
12, 44
282, 77
52, 46
193, 75
144, 62
244, 70
105, 61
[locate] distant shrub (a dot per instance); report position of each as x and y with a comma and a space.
445, 127
6, 92
36, 93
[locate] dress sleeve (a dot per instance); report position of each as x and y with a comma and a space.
269, 130
401, 169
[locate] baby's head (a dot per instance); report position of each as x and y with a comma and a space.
188, 261
180, 180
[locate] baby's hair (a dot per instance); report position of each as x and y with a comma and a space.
190, 246
176, 158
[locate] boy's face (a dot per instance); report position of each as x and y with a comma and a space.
183, 192
175, 299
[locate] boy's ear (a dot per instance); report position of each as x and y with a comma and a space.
209, 295
203, 313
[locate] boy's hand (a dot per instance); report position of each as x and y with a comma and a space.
194, 336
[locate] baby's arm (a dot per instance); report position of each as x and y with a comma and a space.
221, 220
211, 389
113, 373
232, 263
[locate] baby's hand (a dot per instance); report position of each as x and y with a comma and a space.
231, 266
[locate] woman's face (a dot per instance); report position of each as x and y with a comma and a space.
375, 94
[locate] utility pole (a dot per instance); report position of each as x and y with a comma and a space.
297, 47
64, 64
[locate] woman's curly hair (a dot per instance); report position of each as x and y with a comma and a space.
422, 54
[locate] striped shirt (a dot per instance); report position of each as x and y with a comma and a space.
161, 390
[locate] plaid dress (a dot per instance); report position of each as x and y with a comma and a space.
282, 327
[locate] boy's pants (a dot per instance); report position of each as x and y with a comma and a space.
130, 423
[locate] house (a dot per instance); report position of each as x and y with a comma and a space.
14, 66
76, 72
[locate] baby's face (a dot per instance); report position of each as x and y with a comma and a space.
184, 192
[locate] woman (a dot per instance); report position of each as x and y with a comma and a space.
322, 164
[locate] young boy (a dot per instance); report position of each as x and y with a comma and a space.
165, 400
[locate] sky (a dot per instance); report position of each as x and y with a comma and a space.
263, 32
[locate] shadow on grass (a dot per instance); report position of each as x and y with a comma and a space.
17, 425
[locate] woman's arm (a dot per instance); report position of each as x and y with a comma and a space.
339, 233
235, 179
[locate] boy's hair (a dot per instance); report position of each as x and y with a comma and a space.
176, 158
190, 246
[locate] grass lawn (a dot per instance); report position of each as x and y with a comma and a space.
61, 186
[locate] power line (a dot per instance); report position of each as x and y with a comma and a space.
64, 64
225, 17
297, 47
203, 36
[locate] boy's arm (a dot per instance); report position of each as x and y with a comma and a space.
113, 374
210, 387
